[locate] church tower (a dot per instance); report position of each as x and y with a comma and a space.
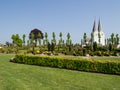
98, 34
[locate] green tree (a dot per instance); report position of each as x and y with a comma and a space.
39, 39
95, 46
32, 39
112, 38
99, 36
52, 47
92, 37
60, 41
17, 41
68, 41
85, 38
28, 43
54, 38
24, 36
46, 38
32, 43
49, 46
110, 47
13, 39
117, 39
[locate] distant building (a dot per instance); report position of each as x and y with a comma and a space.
98, 34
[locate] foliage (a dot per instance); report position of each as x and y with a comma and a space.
85, 37
101, 66
24, 36
67, 48
16, 40
99, 36
2, 50
95, 46
46, 39
36, 32
54, 38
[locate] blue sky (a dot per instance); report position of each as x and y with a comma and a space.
74, 16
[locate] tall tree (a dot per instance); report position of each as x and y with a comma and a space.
99, 36
28, 43
110, 47
112, 38
32, 42
39, 39
54, 38
24, 36
95, 46
60, 40
85, 38
117, 39
46, 38
92, 37
68, 41
32, 39
13, 39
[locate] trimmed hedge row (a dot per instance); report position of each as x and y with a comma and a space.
82, 64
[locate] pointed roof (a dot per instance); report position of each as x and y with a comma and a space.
94, 26
99, 26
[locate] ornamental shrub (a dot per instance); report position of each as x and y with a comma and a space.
82, 64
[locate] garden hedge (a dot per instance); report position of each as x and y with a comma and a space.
82, 64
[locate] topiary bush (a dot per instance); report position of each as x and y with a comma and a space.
82, 64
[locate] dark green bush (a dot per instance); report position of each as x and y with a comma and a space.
100, 66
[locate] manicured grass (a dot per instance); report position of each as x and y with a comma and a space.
106, 58
15, 76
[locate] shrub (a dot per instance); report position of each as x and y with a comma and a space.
106, 54
2, 50
78, 53
82, 64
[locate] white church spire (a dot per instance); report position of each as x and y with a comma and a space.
96, 32
94, 26
99, 26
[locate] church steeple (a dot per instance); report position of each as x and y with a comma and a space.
94, 26
99, 26
97, 31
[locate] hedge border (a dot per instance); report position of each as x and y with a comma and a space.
81, 64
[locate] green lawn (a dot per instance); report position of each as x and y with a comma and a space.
106, 58
15, 76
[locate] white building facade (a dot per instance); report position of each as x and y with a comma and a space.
98, 34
